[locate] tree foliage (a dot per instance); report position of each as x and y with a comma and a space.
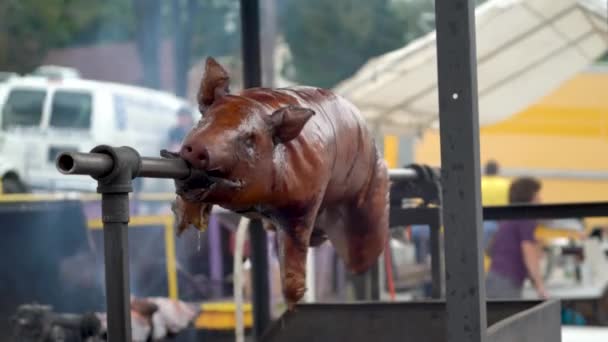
329, 40
202, 28
28, 28
113, 22
148, 30
216, 28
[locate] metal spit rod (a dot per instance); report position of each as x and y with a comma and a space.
98, 164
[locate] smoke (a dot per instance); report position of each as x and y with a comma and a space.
46, 258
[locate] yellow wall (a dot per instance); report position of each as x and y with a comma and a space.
391, 150
528, 151
567, 130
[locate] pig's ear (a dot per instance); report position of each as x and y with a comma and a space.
287, 123
215, 83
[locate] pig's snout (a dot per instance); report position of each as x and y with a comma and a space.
197, 156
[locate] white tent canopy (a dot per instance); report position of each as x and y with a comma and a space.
525, 49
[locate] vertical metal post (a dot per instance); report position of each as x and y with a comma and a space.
252, 77
250, 38
339, 277
374, 281
215, 257
459, 131
115, 216
436, 260
260, 271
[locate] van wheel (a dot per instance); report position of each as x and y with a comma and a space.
12, 185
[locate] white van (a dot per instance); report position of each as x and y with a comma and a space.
40, 117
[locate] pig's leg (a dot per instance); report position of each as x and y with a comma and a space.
293, 244
367, 225
358, 229
365, 239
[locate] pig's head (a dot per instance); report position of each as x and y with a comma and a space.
235, 141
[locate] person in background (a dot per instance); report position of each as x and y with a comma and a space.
514, 251
494, 191
185, 122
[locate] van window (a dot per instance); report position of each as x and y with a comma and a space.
71, 109
23, 107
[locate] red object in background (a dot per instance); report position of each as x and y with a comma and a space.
408, 233
388, 265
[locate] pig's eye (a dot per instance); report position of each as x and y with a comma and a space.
249, 140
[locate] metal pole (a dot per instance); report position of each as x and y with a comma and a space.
459, 131
115, 216
252, 77
100, 164
436, 260
250, 38
216, 268
114, 170
114, 185
374, 282
403, 174
260, 273
437, 248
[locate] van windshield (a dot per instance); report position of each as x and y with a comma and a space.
71, 109
23, 107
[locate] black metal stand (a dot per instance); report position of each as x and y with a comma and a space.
114, 170
436, 259
252, 77
260, 274
115, 212
460, 174
115, 187
366, 286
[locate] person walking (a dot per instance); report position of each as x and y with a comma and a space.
494, 192
514, 250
